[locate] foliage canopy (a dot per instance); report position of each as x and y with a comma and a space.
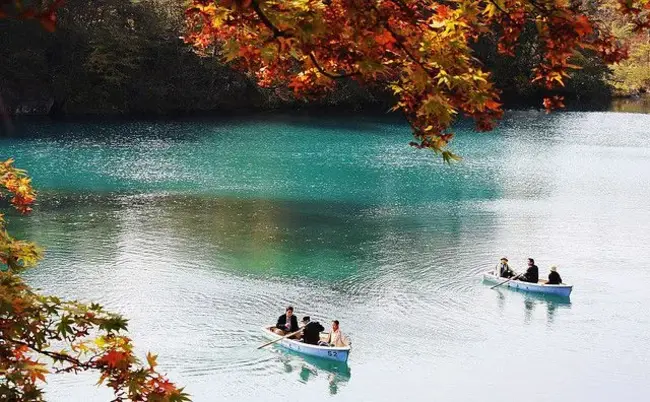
421, 50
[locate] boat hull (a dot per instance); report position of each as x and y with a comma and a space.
562, 290
324, 352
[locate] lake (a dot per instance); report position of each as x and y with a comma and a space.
203, 231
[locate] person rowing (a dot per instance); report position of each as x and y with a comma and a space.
531, 274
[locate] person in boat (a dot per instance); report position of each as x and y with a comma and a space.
311, 331
336, 338
553, 277
287, 323
531, 274
503, 269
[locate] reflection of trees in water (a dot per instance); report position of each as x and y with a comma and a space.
253, 236
81, 231
639, 104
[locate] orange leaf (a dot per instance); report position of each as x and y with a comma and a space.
443, 11
37, 371
384, 39
20, 351
492, 104
583, 26
151, 359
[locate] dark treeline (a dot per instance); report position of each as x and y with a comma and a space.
112, 57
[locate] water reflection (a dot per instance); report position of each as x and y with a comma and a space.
220, 235
552, 303
255, 236
632, 105
529, 308
311, 369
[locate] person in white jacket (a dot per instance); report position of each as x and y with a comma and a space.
503, 269
336, 337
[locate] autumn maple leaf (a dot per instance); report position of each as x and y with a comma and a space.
114, 358
385, 39
582, 25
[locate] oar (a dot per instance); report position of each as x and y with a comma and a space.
509, 279
286, 336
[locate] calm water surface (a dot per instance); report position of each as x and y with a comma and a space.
201, 232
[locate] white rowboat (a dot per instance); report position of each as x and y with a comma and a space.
563, 290
325, 352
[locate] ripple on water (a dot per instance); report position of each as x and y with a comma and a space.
226, 236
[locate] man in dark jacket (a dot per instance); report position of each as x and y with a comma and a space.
532, 273
287, 323
311, 331
553, 277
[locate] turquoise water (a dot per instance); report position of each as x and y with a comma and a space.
203, 231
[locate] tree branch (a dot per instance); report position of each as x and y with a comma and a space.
330, 75
54, 355
504, 12
399, 41
279, 33
276, 31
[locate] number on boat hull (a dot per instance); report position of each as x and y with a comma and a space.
331, 353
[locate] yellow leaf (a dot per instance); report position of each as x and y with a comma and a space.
101, 342
490, 10
151, 359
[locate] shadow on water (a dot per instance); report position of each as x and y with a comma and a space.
309, 368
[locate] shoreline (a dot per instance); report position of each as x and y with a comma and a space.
627, 103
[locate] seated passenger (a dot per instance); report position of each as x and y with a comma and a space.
336, 337
311, 331
287, 323
553, 277
503, 269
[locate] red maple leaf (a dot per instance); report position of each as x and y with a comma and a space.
114, 358
384, 39
582, 25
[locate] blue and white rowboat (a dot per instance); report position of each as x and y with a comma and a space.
325, 352
563, 290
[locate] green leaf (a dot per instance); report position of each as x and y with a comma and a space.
269, 52
64, 327
230, 50
115, 323
449, 157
